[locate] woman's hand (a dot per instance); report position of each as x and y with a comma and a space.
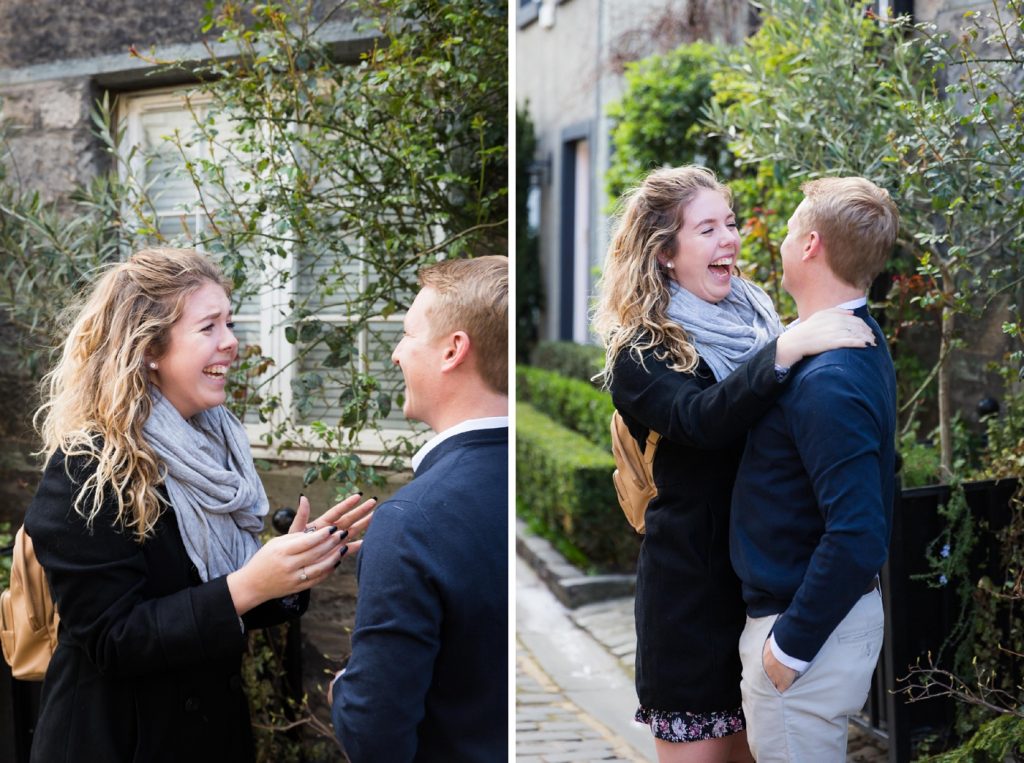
285, 565
305, 556
350, 517
825, 330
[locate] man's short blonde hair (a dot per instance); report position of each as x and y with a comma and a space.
857, 222
472, 296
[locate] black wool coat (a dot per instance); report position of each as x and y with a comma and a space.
147, 666
689, 609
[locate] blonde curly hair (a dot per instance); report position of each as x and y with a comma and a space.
633, 296
97, 397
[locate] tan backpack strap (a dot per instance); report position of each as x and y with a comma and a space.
651, 447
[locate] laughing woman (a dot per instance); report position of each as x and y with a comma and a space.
146, 522
694, 353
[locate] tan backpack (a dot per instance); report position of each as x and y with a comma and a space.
634, 475
28, 618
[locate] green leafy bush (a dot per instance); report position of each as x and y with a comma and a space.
576, 361
997, 740
564, 486
763, 202
574, 404
920, 459
657, 122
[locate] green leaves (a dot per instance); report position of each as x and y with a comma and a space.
658, 120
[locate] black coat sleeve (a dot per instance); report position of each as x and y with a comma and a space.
691, 410
276, 611
104, 589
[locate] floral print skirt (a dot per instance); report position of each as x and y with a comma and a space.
673, 726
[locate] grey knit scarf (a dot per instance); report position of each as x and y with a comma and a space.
212, 483
729, 332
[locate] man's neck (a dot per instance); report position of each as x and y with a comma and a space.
825, 297
479, 406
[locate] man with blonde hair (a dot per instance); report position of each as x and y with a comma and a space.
812, 504
432, 609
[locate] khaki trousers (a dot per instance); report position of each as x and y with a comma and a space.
808, 723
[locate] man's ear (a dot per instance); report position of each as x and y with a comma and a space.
456, 351
812, 247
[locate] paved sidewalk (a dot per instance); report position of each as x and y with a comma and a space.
550, 727
574, 701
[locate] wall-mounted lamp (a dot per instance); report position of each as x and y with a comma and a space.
539, 171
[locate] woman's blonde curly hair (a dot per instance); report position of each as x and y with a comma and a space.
97, 397
633, 296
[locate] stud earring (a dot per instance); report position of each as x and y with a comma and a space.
152, 365
670, 266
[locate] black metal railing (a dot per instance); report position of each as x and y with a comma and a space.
918, 616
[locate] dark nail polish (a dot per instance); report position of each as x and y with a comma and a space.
337, 563
334, 530
344, 534
302, 495
360, 492
344, 550
374, 498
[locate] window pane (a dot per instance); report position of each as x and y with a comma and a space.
326, 282
325, 388
247, 386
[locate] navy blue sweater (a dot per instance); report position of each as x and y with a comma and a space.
812, 504
427, 680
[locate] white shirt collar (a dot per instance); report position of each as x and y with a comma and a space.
853, 304
469, 425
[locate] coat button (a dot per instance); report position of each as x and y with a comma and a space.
191, 705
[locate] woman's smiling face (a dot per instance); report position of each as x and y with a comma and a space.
707, 245
193, 371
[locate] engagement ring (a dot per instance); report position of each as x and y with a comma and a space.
310, 529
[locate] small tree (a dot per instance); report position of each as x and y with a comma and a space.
826, 88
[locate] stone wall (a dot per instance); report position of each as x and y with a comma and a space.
49, 136
34, 32
51, 53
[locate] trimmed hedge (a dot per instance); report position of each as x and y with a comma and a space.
576, 361
574, 404
564, 485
